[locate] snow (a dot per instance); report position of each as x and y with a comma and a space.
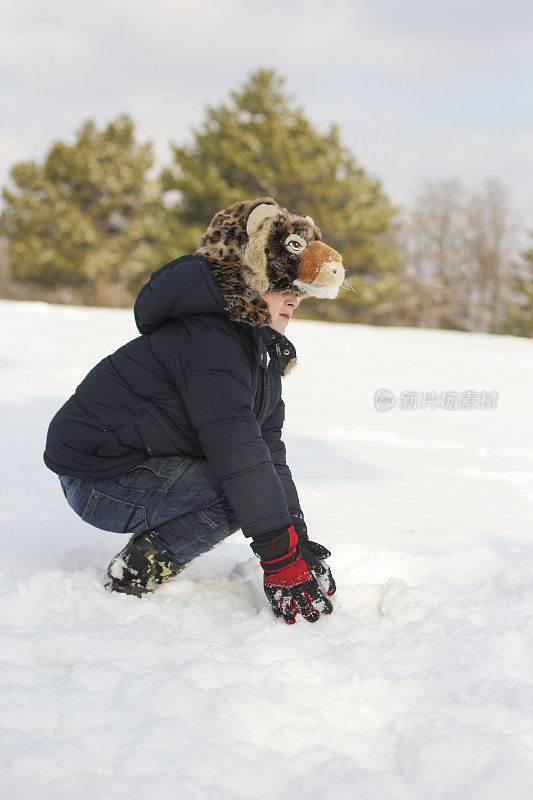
419, 685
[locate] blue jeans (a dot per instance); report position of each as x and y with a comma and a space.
177, 498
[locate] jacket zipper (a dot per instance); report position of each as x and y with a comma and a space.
263, 394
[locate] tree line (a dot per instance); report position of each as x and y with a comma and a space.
91, 222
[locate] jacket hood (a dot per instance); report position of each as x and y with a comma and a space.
186, 286
180, 288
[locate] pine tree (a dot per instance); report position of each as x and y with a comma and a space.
520, 308
259, 144
85, 217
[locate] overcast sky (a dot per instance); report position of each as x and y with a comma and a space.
420, 89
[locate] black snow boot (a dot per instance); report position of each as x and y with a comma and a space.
140, 568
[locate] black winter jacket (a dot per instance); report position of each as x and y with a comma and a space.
195, 383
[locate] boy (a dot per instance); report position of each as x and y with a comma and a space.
176, 439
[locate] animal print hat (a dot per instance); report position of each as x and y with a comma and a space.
258, 246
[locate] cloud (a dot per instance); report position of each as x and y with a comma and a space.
393, 148
419, 88
469, 21
417, 40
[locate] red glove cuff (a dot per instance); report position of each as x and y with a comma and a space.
281, 560
289, 576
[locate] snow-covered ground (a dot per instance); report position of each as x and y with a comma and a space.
420, 683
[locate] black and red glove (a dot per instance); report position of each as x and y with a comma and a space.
292, 572
314, 555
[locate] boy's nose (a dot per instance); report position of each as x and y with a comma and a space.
293, 301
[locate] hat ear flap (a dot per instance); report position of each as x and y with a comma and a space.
258, 215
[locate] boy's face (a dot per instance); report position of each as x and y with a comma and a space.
281, 306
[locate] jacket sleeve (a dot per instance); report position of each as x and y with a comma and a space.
213, 375
271, 432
